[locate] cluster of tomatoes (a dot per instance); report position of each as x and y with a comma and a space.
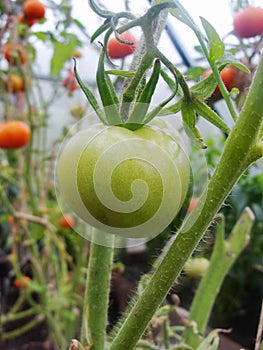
16, 133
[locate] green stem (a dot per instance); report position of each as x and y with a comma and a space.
240, 151
224, 255
95, 308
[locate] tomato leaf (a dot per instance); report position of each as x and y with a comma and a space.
100, 30
229, 58
216, 46
121, 73
62, 53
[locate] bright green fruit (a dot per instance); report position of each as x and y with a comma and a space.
130, 183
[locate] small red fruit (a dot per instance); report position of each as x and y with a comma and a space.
70, 82
23, 282
249, 22
116, 49
14, 134
34, 9
22, 19
14, 53
67, 221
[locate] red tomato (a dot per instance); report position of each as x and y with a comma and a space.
67, 221
117, 49
34, 9
23, 282
29, 22
14, 52
14, 134
249, 22
228, 75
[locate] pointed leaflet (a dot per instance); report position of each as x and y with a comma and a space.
91, 98
216, 46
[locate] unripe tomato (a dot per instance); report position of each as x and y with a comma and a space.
13, 83
14, 134
196, 267
249, 22
34, 9
67, 221
14, 53
117, 49
129, 183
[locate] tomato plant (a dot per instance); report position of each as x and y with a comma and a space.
118, 49
34, 9
14, 134
249, 22
22, 282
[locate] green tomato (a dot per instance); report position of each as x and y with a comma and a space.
129, 183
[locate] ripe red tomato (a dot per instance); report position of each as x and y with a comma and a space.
34, 9
13, 83
249, 22
67, 221
22, 283
117, 49
228, 75
14, 134
22, 19
14, 53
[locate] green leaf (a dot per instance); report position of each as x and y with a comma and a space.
106, 25
121, 73
229, 58
216, 46
62, 53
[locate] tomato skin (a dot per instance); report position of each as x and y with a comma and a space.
67, 221
34, 9
13, 52
129, 183
117, 49
14, 134
13, 83
249, 22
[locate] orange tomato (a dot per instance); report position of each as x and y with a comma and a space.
228, 75
14, 134
14, 53
117, 49
67, 221
13, 83
249, 22
23, 282
34, 9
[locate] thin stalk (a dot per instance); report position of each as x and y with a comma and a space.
239, 153
95, 309
224, 255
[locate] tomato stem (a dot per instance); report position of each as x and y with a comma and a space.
239, 153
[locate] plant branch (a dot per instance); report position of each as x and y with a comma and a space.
239, 153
